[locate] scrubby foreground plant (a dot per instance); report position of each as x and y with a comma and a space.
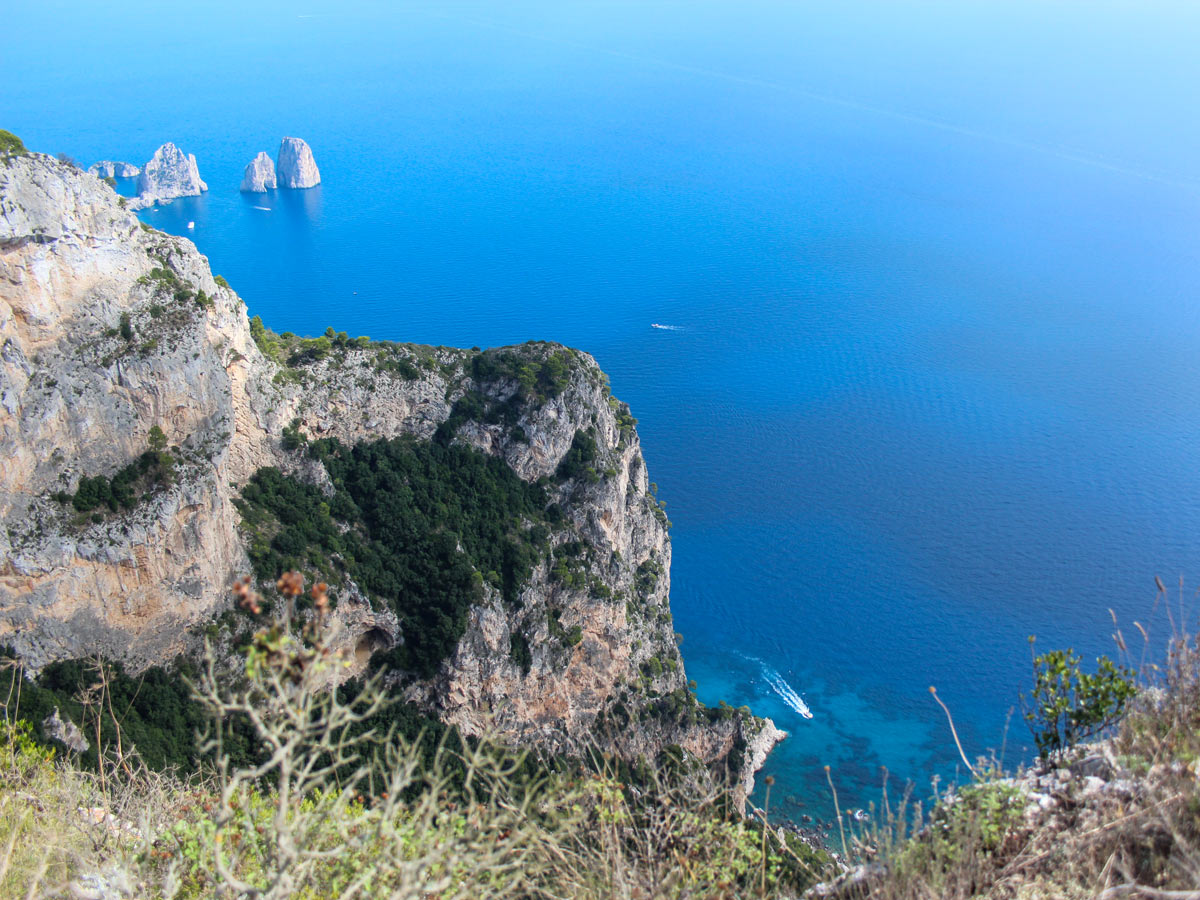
1068, 705
335, 808
1116, 818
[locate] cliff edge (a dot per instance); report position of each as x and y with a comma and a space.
112, 330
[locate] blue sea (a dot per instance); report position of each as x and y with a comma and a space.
932, 272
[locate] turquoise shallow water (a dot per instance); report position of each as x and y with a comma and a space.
933, 270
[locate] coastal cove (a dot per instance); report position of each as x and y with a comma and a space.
932, 379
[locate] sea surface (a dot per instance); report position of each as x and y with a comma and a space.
932, 272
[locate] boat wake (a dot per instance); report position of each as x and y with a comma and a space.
263, 208
666, 327
785, 691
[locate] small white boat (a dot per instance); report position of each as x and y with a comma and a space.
192, 226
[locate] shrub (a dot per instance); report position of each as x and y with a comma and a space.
293, 437
519, 653
537, 379
11, 145
133, 483
577, 463
1067, 706
156, 440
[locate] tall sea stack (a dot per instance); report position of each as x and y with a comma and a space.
169, 174
260, 175
296, 167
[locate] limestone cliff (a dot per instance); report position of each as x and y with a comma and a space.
296, 167
168, 175
109, 328
259, 176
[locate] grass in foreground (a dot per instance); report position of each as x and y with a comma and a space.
333, 812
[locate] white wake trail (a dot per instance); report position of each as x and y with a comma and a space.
785, 691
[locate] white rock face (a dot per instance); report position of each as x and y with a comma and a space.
107, 168
296, 167
260, 175
169, 174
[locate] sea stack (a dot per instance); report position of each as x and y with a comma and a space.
260, 175
169, 174
296, 167
107, 168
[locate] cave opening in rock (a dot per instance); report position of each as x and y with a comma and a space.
369, 642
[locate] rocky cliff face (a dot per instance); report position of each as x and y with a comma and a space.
259, 176
296, 167
109, 169
169, 174
109, 328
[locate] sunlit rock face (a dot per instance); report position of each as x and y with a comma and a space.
259, 176
296, 167
168, 175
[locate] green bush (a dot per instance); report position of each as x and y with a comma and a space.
157, 711
518, 651
11, 145
293, 437
577, 463
1067, 706
156, 439
130, 485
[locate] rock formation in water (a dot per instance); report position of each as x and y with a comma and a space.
112, 330
296, 167
107, 168
169, 174
259, 176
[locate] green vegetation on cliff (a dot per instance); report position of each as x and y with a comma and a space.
11, 145
538, 373
130, 485
416, 524
159, 714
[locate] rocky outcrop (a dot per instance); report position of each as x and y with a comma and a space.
65, 732
296, 167
169, 174
760, 742
100, 344
109, 169
110, 328
259, 176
